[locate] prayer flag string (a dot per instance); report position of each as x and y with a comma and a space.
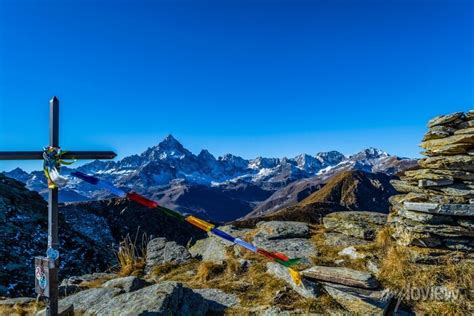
197, 222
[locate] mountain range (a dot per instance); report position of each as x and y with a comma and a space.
223, 188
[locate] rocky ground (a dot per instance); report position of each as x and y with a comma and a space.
353, 262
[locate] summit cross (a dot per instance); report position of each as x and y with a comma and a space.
51, 264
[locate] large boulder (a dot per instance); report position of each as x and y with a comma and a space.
160, 251
343, 276
362, 225
166, 298
359, 301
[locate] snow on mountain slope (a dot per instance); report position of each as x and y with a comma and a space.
170, 166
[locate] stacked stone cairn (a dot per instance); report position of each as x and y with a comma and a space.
436, 207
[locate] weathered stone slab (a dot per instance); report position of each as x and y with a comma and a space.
439, 229
461, 244
442, 209
438, 132
357, 224
455, 139
405, 186
429, 174
307, 288
434, 183
466, 222
343, 276
426, 218
466, 125
468, 130
342, 240
458, 189
359, 301
282, 230
470, 114
445, 119
457, 162
449, 149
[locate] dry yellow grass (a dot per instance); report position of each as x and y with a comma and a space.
399, 272
253, 285
22, 309
130, 257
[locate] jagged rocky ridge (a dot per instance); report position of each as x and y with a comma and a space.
202, 184
436, 208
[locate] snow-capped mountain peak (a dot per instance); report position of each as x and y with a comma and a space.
169, 163
330, 158
168, 148
369, 153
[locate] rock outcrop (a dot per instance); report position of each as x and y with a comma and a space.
160, 251
361, 225
23, 232
436, 207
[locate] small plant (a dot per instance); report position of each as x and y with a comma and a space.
131, 258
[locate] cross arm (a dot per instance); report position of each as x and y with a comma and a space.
38, 155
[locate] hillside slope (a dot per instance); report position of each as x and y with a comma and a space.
346, 191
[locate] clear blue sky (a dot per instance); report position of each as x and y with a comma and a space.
271, 78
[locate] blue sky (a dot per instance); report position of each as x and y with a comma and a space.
271, 78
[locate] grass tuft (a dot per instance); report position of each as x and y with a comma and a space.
131, 257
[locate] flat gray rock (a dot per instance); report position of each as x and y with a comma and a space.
307, 288
359, 301
218, 300
455, 162
442, 209
426, 218
160, 251
166, 298
341, 240
343, 276
362, 225
406, 186
128, 284
445, 119
282, 230
434, 183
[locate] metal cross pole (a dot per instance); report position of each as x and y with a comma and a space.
52, 284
